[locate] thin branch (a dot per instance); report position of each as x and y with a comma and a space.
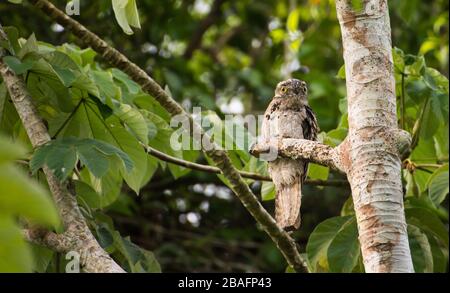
68, 119
211, 169
416, 130
285, 243
77, 236
429, 165
402, 104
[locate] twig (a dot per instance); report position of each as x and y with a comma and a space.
211, 169
77, 236
285, 243
402, 104
68, 119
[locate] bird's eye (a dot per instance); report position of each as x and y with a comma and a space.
283, 89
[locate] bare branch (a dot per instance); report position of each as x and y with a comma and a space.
220, 157
211, 169
309, 150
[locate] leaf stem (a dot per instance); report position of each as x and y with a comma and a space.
402, 103
68, 119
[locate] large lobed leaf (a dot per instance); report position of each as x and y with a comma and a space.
61, 156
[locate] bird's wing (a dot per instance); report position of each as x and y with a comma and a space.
310, 130
309, 125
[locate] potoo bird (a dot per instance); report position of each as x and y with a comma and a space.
289, 116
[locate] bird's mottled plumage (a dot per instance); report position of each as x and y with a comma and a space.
289, 116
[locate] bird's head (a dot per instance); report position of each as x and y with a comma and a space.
291, 88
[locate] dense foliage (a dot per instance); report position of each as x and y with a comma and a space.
101, 120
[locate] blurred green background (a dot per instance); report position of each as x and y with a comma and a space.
227, 56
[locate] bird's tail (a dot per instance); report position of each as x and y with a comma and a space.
287, 205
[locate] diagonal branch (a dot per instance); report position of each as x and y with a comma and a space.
285, 243
77, 236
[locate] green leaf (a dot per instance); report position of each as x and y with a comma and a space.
420, 250
126, 14
105, 83
399, 63
12, 42
267, 190
320, 240
438, 185
317, 171
147, 263
96, 161
417, 89
21, 196
61, 156
99, 193
162, 142
83, 82
335, 137
439, 259
29, 47
10, 151
415, 65
428, 222
110, 130
134, 120
16, 65
139, 260
435, 80
132, 14
42, 257
104, 236
66, 76
348, 209
130, 84
344, 250
15, 255
46, 85
440, 142
152, 166
341, 72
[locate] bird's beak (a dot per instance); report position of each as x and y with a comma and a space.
277, 97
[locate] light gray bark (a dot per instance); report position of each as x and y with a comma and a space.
370, 155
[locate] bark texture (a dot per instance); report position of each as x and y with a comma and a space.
77, 236
284, 242
370, 153
293, 148
211, 169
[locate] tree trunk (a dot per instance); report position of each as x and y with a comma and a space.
370, 153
